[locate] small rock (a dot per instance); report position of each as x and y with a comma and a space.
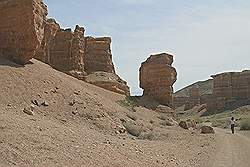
46, 104
32, 107
54, 91
35, 102
28, 111
77, 92
74, 112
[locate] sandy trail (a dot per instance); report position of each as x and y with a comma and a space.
232, 150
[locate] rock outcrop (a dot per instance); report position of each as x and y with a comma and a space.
63, 49
109, 81
232, 85
50, 30
85, 58
157, 77
98, 55
21, 28
230, 90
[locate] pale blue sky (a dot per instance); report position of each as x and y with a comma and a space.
205, 36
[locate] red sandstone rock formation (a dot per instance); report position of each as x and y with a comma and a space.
229, 90
157, 77
50, 30
21, 28
88, 59
98, 55
232, 85
63, 49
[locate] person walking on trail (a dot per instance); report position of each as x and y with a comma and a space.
232, 122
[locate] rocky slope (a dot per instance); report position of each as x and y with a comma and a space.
51, 119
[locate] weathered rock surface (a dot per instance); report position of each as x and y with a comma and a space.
109, 81
98, 55
50, 30
21, 28
85, 58
67, 50
230, 90
232, 85
157, 77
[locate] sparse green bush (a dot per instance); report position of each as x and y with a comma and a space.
130, 103
245, 124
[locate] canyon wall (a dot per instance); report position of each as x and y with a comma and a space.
86, 58
21, 28
157, 77
232, 85
98, 55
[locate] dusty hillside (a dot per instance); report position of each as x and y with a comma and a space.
78, 124
205, 87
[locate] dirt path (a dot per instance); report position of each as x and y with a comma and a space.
232, 150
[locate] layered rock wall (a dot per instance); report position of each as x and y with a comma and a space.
157, 77
85, 58
21, 28
50, 30
232, 85
67, 50
98, 55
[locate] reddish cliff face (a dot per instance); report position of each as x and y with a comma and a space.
157, 77
21, 28
63, 49
98, 55
67, 50
50, 29
230, 90
232, 85
85, 58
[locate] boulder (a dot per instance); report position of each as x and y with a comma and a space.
21, 28
183, 124
207, 130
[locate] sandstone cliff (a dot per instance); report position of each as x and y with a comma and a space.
233, 84
157, 77
98, 55
86, 58
21, 28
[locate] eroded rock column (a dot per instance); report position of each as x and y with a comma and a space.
157, 77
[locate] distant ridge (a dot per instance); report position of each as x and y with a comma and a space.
205, 87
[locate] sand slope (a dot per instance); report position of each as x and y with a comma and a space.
78, 127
